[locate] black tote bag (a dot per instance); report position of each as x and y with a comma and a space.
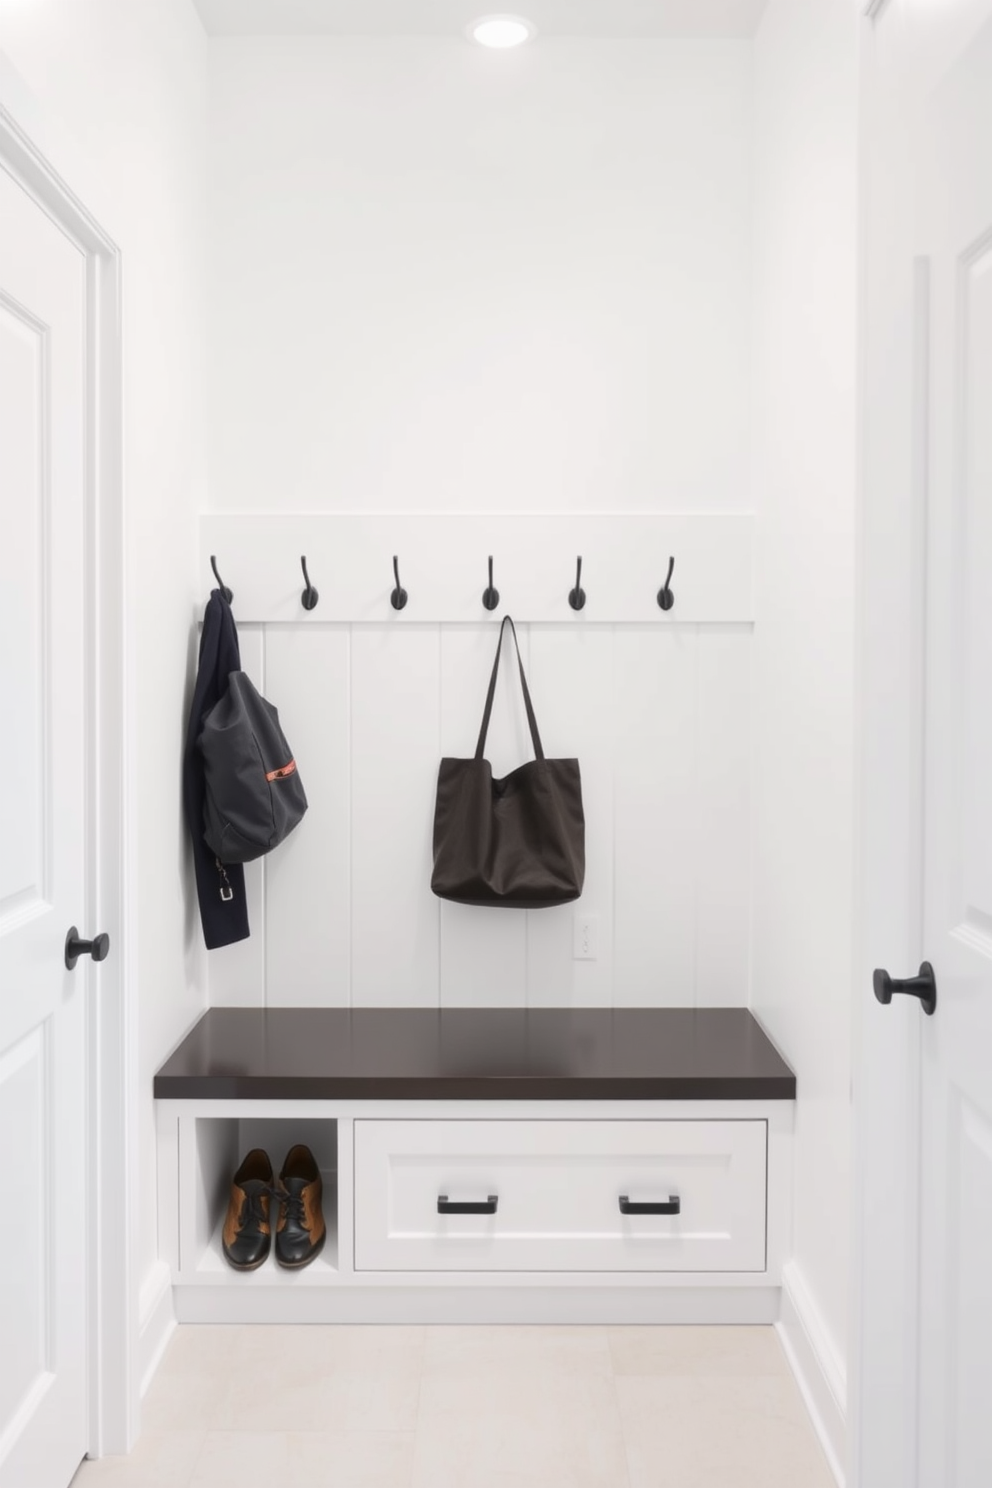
517, 842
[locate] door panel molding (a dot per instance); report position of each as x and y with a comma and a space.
972, 458
25, 377
969, 1201
25, 1083
29, 143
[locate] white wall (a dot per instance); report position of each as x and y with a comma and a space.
446, 279
125, 84
443, 280
805, 89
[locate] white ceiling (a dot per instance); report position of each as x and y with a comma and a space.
601, 18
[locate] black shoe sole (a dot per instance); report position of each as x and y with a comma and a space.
298, 1265
249, 1266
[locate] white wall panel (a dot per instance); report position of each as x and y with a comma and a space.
483, 951
723, 817
658, 714
659, 719
655, 826
237, 972
395, 684
308, 879
572, 675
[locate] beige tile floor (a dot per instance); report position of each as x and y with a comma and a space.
471, 1407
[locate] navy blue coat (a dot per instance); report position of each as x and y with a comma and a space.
221, 890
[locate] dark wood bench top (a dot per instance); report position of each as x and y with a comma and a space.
476, 1054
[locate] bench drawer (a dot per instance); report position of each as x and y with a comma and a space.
548, 1195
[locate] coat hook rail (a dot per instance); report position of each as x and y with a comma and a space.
491, 596
220, 582
399, 596
666, 595
310, 596
577, 597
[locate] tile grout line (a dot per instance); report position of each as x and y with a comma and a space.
616, 1401
416, 1419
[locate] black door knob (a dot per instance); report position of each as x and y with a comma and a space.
923, 986
98, 947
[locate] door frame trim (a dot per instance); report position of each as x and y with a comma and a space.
893, 500
29, 143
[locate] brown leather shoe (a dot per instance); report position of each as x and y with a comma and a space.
301, 1231
247, 1232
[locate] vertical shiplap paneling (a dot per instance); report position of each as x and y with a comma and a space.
395, 681
723, 817
237, 973
308, 877
483, 951
572, 680
659, 718
655, 816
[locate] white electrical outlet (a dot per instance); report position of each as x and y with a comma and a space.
586, 936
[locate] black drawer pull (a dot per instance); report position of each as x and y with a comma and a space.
447, 1206
674, 1206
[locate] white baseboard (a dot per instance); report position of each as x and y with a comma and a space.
474, 1304
156, 1322
819, 1370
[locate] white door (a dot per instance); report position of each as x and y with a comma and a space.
925, 1387
43, 1237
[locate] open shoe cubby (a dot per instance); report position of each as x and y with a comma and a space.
214, 1147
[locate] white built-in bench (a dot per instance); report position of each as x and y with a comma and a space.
507, 1165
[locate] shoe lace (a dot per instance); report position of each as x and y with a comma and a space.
252, 1208
293, 1203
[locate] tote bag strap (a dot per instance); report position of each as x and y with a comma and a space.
534, 735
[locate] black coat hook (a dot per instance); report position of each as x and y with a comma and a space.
577, 597
666, 595
399, 596
309, 597
491, 597
220, 583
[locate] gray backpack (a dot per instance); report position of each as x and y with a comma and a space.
254, 795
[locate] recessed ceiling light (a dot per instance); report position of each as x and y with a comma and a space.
501, 31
